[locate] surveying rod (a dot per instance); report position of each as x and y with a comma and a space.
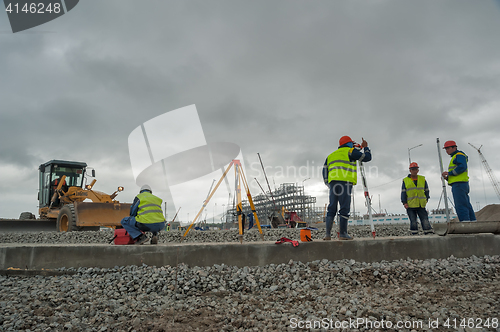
367, 196
444, 184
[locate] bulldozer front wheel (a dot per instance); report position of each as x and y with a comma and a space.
66, 220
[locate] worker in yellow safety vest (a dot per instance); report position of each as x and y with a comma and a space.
340, 174
414, 196
458, 178
146, 215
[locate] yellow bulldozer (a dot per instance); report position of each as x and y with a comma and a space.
65, 196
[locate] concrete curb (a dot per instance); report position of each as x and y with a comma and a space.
38, 257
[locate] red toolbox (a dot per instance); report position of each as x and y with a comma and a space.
122, 237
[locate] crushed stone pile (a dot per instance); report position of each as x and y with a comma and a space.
197, 236
489, 213
404, 295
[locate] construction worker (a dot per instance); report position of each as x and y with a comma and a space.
340, 174
145, 216
458, 178
414, 196
54, 185
239, 211
250, 220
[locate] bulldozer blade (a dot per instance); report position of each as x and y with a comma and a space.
467, 227
100, 214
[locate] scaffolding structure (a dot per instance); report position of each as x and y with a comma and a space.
288, 195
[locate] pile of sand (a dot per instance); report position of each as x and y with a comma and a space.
489, 213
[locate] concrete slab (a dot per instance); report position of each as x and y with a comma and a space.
52, 256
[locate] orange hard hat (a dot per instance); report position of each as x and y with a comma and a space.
345, 139
447, 144
413, 165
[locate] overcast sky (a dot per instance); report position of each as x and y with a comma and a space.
282, 78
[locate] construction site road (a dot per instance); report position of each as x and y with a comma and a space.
421, 282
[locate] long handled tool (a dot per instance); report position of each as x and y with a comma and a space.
444, 190
443, 183
367, 197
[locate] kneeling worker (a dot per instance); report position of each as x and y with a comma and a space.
414, 196
145, 216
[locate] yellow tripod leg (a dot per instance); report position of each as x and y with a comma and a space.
207, 200
252, 206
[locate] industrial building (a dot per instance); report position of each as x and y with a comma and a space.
289, 196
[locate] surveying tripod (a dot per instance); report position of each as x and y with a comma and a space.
240, 178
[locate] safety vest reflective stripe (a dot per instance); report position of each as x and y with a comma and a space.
343, 168
415, 193
462, 177
148, 205
342, 161
149, 209
340, 168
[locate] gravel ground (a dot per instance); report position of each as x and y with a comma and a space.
105, 236
267, 298
404, 295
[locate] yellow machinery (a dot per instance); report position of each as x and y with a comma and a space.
64, 196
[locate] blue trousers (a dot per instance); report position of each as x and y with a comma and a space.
135, 228
422, 215
460, 191
340, 194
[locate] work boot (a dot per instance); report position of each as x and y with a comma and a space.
329, 225
429, 231
141, 239
154, 239
343, 229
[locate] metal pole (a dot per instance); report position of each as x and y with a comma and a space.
409, 159
367, 196
353, 205
444, 184
304, 200
270, 191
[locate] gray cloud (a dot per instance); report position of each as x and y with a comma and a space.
283, 78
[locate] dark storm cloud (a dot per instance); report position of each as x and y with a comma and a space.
282, 78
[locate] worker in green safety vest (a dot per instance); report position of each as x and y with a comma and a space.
146, 215
340, 174
414, 196
458, 178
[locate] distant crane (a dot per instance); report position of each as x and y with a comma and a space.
490, 173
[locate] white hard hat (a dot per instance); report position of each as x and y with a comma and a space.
146, 187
